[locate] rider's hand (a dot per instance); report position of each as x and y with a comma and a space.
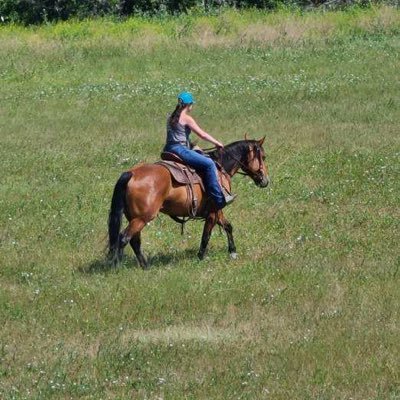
219, 145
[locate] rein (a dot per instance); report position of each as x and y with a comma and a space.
222, 151
245, 172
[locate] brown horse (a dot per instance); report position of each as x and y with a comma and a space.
146, 189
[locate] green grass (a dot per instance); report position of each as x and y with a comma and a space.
310, 310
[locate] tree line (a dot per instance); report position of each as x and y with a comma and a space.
40, 11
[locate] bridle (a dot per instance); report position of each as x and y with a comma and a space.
258, 175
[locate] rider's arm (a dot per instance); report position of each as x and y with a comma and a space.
192, 124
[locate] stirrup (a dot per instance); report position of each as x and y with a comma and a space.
229, 198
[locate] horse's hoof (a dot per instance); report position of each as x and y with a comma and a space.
113, 260
145, 265
201, 256
234, 256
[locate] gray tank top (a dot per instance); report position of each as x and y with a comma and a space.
178, 135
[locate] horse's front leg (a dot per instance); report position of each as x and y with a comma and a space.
208, 227
226, 225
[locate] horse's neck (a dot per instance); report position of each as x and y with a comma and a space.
227, 163
232, 163
231, 168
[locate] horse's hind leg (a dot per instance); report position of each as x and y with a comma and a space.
132, 235
226, 225
135, 243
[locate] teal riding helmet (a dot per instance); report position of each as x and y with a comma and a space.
186, 98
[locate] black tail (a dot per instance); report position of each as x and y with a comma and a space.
115, 216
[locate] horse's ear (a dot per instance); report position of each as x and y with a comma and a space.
245, 136
261, 141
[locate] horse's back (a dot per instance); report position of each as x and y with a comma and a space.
147, 189
151, 177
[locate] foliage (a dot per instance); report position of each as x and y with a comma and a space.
39, 11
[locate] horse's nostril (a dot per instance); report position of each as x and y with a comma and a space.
265, 182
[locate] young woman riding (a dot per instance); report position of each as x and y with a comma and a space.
179, 126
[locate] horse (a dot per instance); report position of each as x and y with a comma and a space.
147, 189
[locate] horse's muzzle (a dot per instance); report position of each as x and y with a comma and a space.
263, 181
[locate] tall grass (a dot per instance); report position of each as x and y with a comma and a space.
310, 310
228, 27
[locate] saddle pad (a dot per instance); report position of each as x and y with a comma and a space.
179, 173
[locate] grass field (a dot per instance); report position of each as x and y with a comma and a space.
310, 310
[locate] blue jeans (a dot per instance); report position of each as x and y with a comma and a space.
205, 166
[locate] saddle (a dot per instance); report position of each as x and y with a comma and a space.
180, 171
184, 175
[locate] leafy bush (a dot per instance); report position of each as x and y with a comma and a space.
39, 11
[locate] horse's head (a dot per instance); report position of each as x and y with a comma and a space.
247, 155
254, 164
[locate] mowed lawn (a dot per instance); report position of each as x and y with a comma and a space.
309, 310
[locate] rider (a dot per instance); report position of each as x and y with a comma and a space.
179, 126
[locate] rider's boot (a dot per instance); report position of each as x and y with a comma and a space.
229, 197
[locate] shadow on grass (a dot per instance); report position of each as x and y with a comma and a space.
103, 266
171, 259
100, 266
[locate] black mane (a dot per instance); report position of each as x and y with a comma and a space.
232, 153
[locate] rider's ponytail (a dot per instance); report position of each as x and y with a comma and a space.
174, 117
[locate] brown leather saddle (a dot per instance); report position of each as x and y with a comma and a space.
180, 172
183, 175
